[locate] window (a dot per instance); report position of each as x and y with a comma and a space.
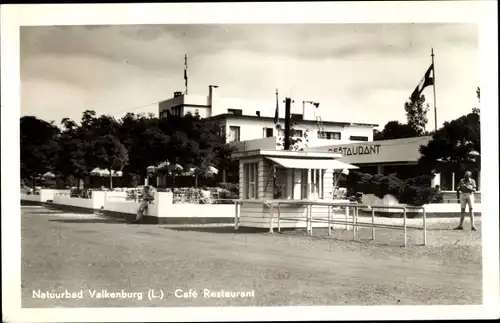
234, 134
280, 183
332, 135
298, 183
358, 138
237, 112
268, 132
251, 173
296, 133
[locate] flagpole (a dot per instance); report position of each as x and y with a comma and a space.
434, 88
185, 72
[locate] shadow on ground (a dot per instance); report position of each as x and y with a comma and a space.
217, 229
96, 220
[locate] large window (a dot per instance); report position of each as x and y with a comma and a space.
268, 132
251, 173
358, 138
298, 184
234, 134
333, 135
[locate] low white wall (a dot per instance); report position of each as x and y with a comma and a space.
129, 207
197, 211
73, 201
30, 197
389, 200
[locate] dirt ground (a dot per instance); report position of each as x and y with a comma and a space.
86, 253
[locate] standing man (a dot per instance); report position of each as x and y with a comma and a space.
147, 197
465, 193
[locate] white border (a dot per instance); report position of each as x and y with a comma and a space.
12, 16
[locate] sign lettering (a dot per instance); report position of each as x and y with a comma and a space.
359, 150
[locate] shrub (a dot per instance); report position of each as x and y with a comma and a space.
413, 191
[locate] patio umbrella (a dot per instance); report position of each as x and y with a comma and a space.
49, 175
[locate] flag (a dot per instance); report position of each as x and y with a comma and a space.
426, 81
276, 112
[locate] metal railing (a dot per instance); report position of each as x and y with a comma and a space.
273, 204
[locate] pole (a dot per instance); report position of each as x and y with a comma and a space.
288, 103
185, 72
434, 88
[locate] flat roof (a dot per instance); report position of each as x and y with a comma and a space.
243, 116
377, 152
286, 154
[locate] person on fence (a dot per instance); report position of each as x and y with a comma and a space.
147, 197
465, 194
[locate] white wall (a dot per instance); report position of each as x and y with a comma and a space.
30, 197
389, 200
73, 201
251, 129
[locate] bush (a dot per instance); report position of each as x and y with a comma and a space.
413, 191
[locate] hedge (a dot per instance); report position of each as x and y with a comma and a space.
413, 191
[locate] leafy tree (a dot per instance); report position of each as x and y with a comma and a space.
145, 141
478, 94
416, 114
395, 130
38, 147
297, 143
455, 147
109, 153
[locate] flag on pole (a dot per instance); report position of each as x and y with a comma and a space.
276, 112
426, 81
186, 72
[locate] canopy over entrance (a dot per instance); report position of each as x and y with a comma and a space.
302, 163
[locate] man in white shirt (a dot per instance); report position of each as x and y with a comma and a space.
465, 193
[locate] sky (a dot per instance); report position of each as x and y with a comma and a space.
357, 72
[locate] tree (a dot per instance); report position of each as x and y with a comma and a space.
71, 157
297, 143
478, 95
144, 139
454, 147
416, 114
38, 147
395, 130
109, 153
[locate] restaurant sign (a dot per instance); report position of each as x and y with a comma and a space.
357, 150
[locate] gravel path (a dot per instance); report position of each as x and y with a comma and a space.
74, 252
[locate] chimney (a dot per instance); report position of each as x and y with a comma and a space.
305, 115
177, 93
257, 113
211, 97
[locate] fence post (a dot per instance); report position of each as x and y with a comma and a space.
310, 220
354, 223
404, 224
271, 218
236, 218
279, 216
373, 223
346, 216
425, 228
329, 219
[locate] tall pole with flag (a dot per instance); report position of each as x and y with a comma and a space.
186, 73
276, 112
429, 79
434, 88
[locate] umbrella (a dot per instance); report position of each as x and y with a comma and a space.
49, 175
95, 172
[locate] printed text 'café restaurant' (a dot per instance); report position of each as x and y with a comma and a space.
391, 156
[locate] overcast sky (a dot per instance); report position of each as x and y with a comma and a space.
358, 72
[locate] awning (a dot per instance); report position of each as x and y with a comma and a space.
311, 163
